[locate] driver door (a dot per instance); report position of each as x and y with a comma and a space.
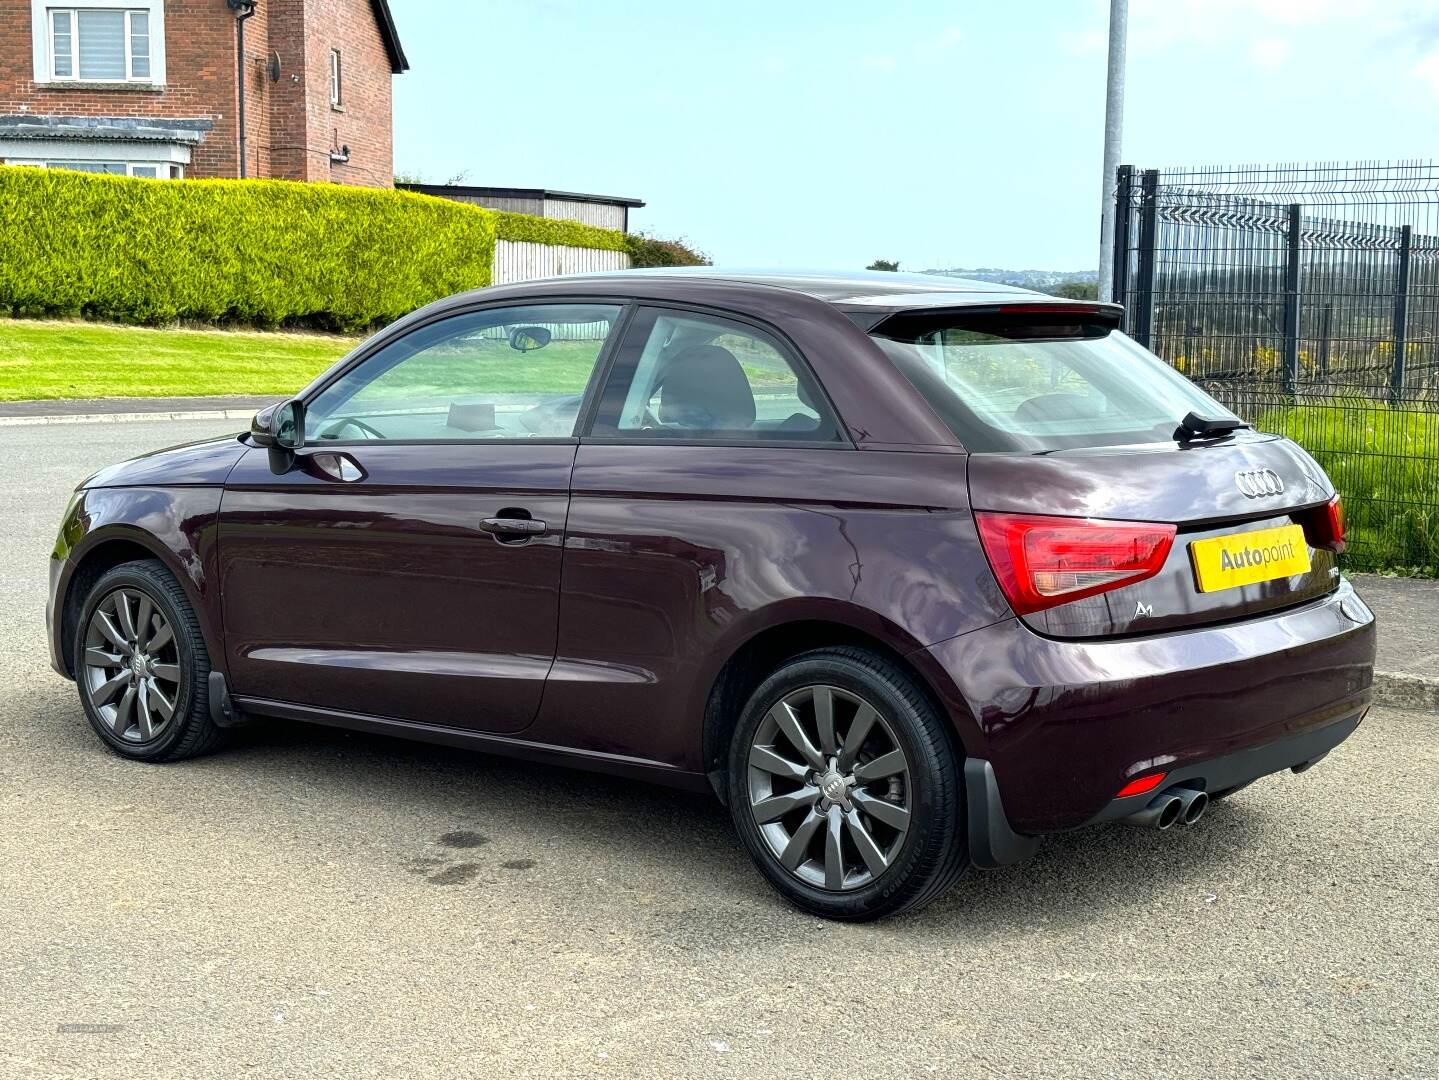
407, 562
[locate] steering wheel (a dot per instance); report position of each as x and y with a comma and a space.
333, 431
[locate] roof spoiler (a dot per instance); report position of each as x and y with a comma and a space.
1113, 314
1109, 315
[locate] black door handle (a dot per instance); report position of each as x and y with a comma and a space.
513, 526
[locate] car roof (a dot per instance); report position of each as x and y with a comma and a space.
843, 288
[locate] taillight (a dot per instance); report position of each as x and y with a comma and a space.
1324, 525
1042, 562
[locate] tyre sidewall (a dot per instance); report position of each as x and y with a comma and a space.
143, 578
936, 810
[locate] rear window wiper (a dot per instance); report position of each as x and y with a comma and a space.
1194, 426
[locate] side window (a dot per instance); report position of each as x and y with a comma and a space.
697, 377
502, 373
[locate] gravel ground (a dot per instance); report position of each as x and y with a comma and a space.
315, 904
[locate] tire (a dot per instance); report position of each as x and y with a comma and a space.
908, 811
138, 608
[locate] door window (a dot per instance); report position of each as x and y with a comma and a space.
502, 373
697, 377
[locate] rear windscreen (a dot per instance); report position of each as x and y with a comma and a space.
1039, 382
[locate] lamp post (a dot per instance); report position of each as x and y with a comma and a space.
1113, 136
243, 9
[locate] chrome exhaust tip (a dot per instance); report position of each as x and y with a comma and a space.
1163, 812
1193, 804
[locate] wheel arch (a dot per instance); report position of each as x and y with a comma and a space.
758, 655
102, 551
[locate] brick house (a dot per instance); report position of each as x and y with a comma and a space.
153, 87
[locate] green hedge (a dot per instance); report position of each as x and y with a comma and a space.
643, 250
260, 252
264, 252
525, 228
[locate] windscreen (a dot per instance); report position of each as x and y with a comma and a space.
1039, 382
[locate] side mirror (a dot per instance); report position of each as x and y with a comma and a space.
287, 425
529, 338
260, 426
280, 426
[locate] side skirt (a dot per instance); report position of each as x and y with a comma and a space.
656, 772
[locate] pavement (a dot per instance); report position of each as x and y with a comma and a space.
1407, 668
312, 903
115, 410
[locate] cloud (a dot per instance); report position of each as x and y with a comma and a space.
1085, 42
948, 38
1269, 53
1268, 32
879, 62
1427, 72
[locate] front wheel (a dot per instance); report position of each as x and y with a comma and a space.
845, 788
141, 666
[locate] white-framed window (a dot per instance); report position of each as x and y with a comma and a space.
99, 41
336, 98
154, 170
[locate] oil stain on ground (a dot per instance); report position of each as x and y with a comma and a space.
463, 838
458, 874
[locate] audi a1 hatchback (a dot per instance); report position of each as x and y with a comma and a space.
908, 571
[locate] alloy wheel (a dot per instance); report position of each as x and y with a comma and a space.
829, 787
132, 673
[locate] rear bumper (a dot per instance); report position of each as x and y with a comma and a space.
1065, 724
1221, 773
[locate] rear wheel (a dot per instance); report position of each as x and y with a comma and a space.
142, 667
845, 788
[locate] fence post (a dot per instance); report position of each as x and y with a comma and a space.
1123, 200
1401, 317
1143, 317
1326, 327
1291, 301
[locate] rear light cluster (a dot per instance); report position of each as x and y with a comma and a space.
1324, 525
1042, 562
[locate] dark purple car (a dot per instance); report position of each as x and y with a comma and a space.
908, 571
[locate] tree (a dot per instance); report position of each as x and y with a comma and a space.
1077, 290
883, 264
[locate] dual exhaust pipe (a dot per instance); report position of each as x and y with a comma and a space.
1176, 806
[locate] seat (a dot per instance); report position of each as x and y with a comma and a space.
705, 389
802, 421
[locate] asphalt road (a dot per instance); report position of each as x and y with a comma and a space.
316, 904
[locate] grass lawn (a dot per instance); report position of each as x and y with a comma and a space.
1385, 463
51, 359
46, 359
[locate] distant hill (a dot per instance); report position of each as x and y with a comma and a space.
1041, 280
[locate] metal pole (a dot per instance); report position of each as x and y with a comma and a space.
240, 83
1113, 137
1142, 319
1401, 317
1123, 202
1291, 299
243, 10
1324, 332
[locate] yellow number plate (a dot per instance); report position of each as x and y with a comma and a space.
1224, 562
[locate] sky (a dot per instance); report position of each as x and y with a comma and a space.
942, 133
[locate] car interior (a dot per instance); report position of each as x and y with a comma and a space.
693, 378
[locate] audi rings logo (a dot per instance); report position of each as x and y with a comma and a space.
1256, 483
